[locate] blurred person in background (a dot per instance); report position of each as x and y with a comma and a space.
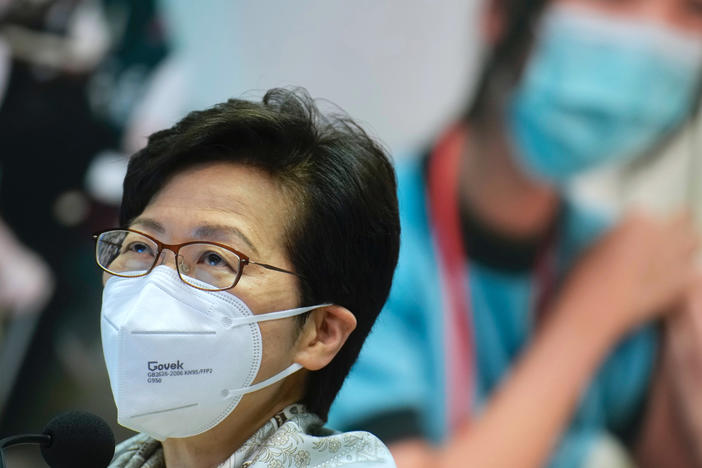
25, 280
524, 329
73, 70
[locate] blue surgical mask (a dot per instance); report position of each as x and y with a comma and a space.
599, 89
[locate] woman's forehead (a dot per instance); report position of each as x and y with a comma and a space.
221, 202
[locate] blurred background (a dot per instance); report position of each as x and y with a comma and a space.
84, 82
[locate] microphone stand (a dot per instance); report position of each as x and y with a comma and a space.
41, 439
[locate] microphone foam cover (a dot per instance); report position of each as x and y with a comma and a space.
79, 440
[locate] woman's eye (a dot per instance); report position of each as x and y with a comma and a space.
212, 259
138, 247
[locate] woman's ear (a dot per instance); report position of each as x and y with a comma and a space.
324, 333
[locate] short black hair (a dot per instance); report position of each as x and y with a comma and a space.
344, 235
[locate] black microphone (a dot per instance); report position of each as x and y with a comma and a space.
74, 439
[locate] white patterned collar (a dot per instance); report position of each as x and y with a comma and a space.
292, 438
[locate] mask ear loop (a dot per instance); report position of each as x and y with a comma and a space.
274, 315
291, 369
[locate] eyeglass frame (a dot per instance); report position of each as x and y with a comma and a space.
175, 248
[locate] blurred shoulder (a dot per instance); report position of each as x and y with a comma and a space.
411, 182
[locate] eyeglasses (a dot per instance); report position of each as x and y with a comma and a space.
131, 254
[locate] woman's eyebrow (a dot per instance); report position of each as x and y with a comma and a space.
149, 223
223, 232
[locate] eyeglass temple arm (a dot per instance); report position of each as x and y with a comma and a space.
274, 268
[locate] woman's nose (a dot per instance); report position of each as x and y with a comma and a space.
168, 258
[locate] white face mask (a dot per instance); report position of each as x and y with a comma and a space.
180, 359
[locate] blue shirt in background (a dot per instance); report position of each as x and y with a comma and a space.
397, 388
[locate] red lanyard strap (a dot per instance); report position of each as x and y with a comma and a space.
444, 166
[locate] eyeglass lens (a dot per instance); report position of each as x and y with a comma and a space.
127, 253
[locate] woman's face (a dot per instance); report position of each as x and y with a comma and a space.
244, 208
